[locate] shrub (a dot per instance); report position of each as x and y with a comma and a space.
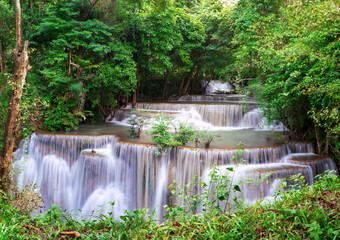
185, 134
137, 121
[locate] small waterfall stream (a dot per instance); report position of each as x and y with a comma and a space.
86, 172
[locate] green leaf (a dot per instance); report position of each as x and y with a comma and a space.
237, 188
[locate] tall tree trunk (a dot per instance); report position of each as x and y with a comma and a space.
317, 139
182, 84
2, 56
165, 89
190, 77
17, 83
327, 144
134, 98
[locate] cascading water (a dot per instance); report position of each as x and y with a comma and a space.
215, 114
87, 171
222, 98
215, 86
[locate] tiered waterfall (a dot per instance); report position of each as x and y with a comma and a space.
86, 172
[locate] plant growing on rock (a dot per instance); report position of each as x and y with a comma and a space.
185, 134
161, 134
137, 121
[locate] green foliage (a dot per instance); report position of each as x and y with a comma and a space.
80, 63
216, 53
4, 97
213, 197
162, 135
60, 117
220, 189
7, 34
291, 48
184, 134
309, 212
160, 132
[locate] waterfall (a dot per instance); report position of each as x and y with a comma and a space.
216, 86
216, 114
94, 174
317, 163
83, 172
118, 115
259, 181
206, 115
224, 98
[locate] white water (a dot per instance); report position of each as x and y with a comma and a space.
317, 163
215, 114
224, 98
130, 175
89, 172
249, 178
213, 117
215, 86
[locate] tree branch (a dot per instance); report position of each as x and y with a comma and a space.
89, 10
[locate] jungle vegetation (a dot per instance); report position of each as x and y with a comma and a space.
89, 57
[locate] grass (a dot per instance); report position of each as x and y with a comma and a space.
304, 212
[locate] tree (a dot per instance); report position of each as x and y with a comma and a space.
17, 84
292, 49
82, 66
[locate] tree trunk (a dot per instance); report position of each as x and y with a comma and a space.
17, 83
317, 139
2, 56
187, 84
165, 89
89, 10
182, 84
134, 98
327, 144
191, 76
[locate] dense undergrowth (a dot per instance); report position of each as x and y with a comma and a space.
308, 212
